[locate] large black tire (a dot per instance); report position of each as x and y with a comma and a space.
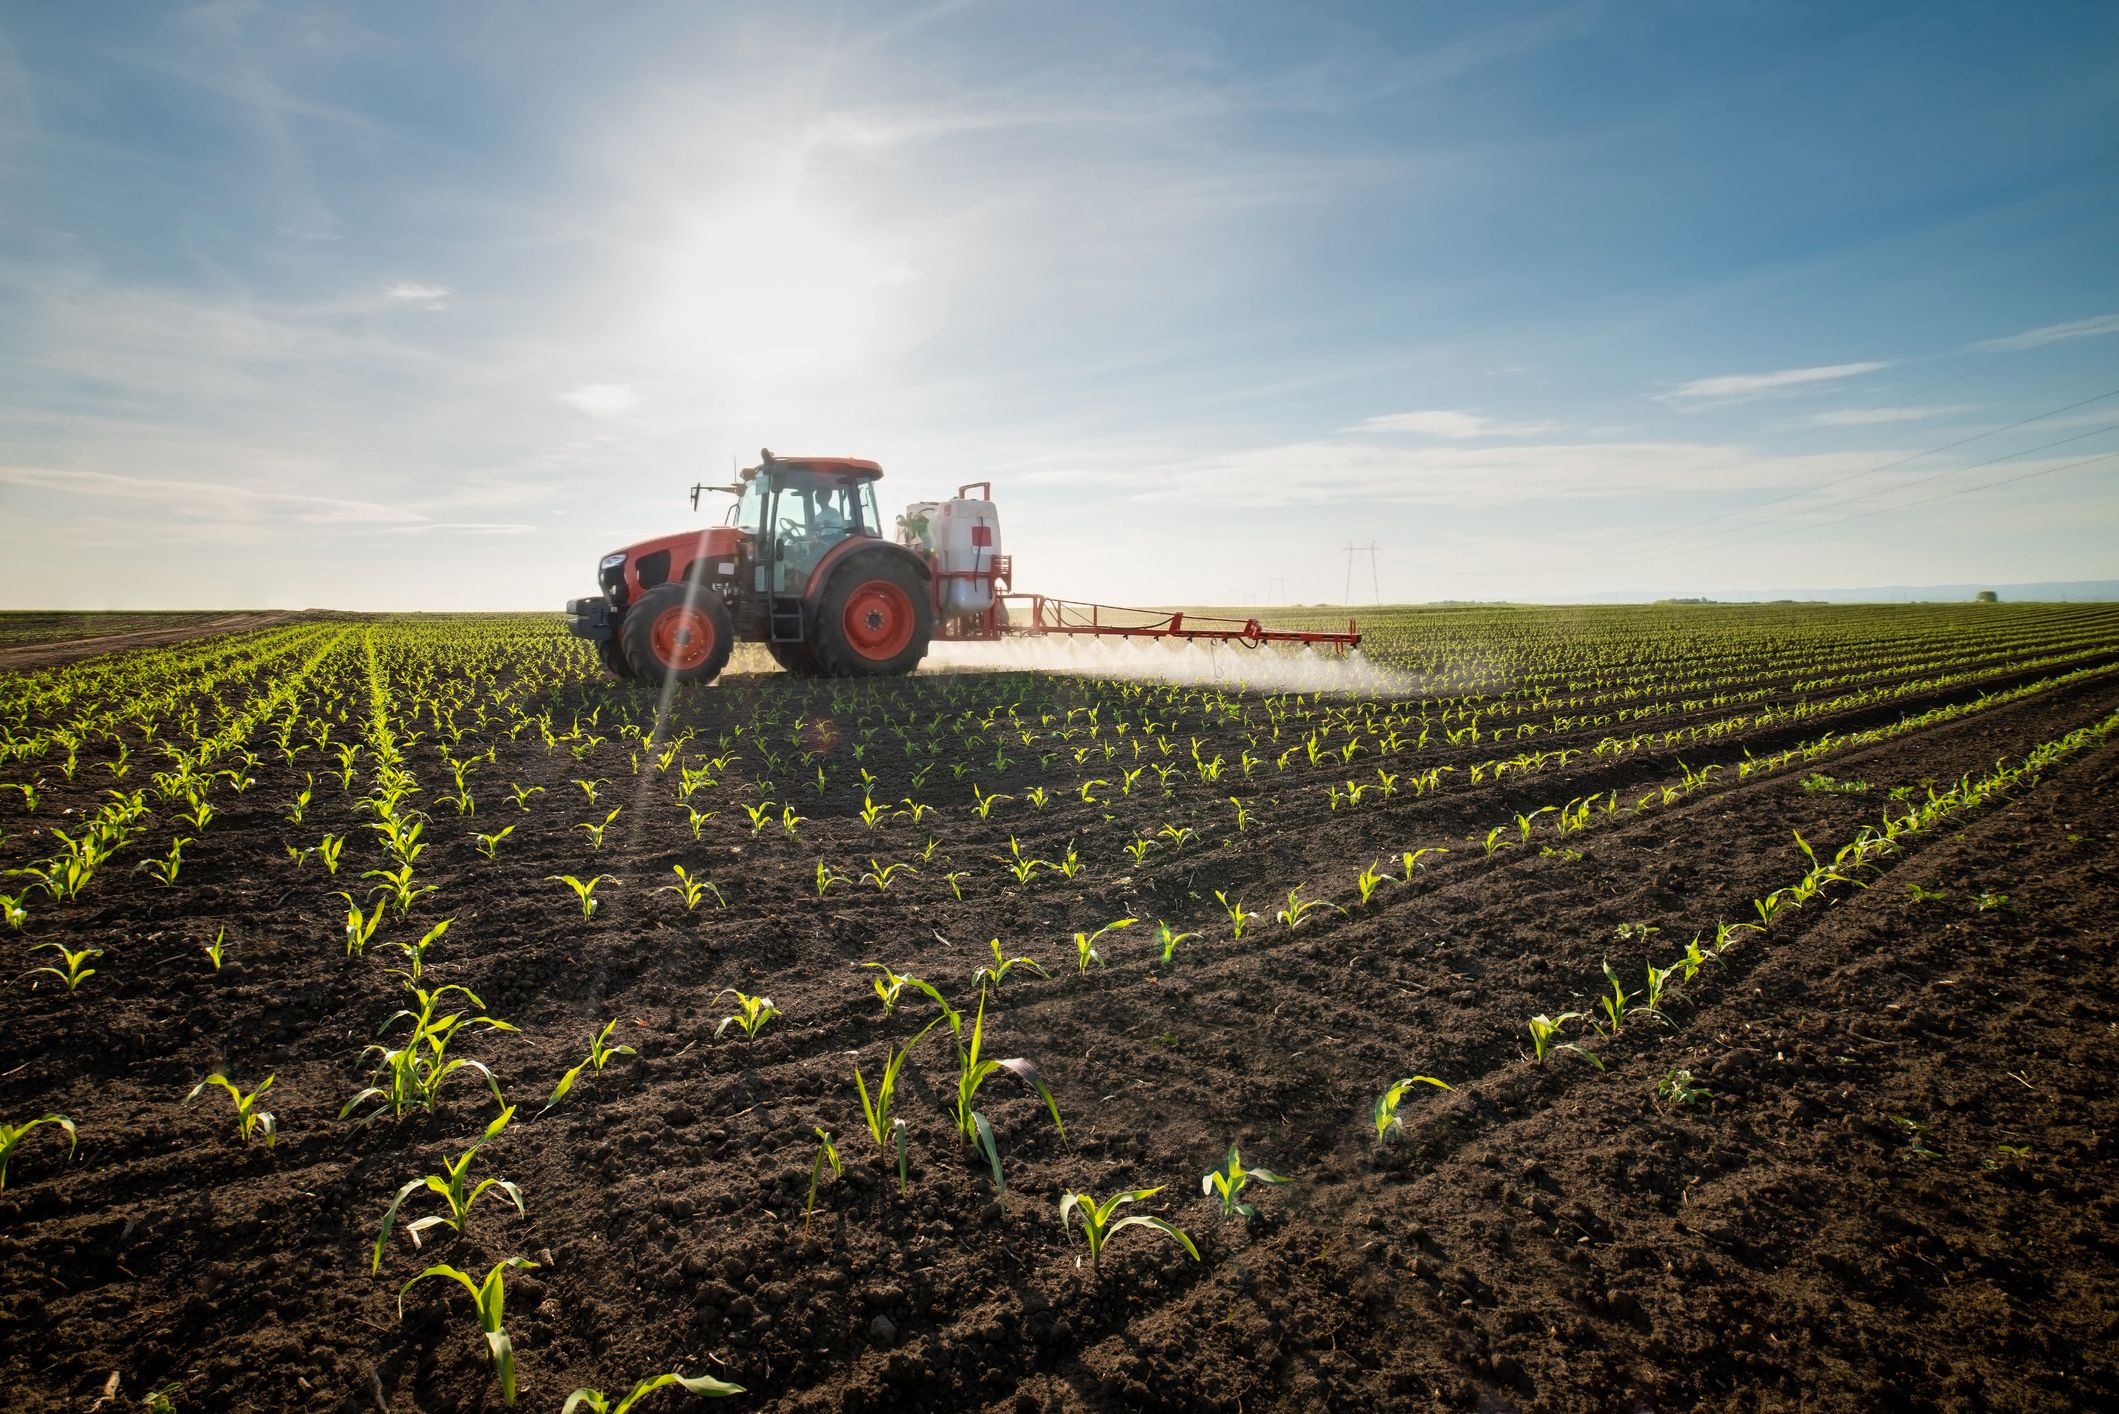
795, 658
874, 619
612, 655
678, 634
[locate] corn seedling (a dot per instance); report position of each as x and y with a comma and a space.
1017, 865
360, 928
15, 914
1100, 1226
1544, 1028
955, 878
598, 1057
452, 1187
490, 1298
881, 875
1385, 1115
216, 950
416, 953
249, 1119
1368, 881
521, 796
412, 1074
1299, 909
487, 844
585, 892
985, 803
752, 1013
1085, 944
1237, 915
696, 819
328, 849
1227, 1183
997, 971
875, 1110
397, 887
76, 971
589, 788
790, 822
691, 890
12, 1135
596, 831
827, 1153
1168, 941
597, 1402
972, 1072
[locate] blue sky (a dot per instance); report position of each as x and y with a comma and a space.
399, 305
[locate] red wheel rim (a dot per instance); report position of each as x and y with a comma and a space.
879, 619
683, 637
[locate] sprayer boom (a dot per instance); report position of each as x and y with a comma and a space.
1063, 616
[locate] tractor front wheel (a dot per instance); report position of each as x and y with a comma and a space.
611, 653
679, 634
874, 619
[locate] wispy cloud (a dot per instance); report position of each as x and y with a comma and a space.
1454, 425
409, 292
465, 527
1870, 417
1730, 386
2055, 333
603, 399
209, 500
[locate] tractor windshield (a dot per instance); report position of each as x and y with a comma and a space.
813, 512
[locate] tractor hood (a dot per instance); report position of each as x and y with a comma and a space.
628, 573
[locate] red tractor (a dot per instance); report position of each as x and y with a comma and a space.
803, 564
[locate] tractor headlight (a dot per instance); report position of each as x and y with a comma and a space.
610, 562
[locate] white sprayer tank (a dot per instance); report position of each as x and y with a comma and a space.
964, 536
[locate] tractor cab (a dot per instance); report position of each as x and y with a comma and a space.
794, 512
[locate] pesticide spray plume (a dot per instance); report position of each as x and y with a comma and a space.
1192, 663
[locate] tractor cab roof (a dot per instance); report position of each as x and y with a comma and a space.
854, 467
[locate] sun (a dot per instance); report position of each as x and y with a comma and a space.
771, 298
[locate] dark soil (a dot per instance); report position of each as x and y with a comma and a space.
1834, 1221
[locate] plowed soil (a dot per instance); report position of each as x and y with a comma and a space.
1895, 1187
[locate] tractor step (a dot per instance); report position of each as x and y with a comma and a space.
784, 622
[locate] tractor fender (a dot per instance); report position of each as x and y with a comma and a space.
847, 550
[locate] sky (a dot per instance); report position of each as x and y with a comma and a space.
405, 306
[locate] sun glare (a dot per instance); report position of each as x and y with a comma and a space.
771, 298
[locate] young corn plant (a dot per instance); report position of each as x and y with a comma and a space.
997, 971
1368, 881
881, 875
12, 1135
76, 970
489, 1297
1385, 1116
691, 890
360, 927
1543, 1030
875, 1110
1226, 1185
412, 1074
751, 1014
452, 1185
488, 844
328, 850
1168, 941
1237, 915
1300, 910
827, 1153
597, 1402
596, 830
217, 951
416, 953
598, 1057
250, 1121
585, 892
1085, 951
972, 1072
1100, 1225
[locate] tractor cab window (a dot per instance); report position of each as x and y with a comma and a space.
813, 512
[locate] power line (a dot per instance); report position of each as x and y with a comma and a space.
1948, 495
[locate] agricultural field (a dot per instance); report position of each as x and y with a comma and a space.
1551, 1009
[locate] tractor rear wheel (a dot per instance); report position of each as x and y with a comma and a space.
795, 658
873, 620
679, 634
611, 653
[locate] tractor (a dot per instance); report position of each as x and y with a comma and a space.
802, 564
